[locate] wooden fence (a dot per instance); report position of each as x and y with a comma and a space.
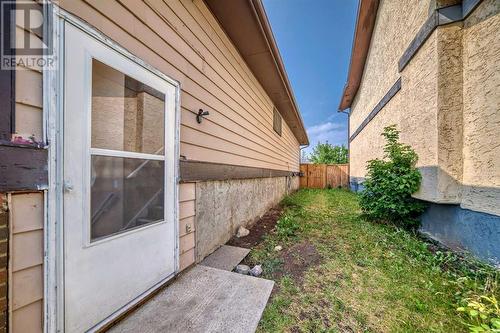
324, 175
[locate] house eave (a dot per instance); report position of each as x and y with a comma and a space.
247, 25
365, 23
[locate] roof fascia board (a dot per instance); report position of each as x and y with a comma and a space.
365, 23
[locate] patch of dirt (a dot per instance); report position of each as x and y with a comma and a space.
260, 228
316, 313
344, 328
297, 260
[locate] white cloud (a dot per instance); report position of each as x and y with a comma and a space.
334, 133
323, 128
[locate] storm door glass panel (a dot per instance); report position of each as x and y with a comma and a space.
127, 115
127, 153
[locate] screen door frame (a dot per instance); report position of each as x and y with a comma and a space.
53, 102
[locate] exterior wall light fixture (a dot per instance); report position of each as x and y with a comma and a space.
200, 115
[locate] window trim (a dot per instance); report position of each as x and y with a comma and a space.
119, 62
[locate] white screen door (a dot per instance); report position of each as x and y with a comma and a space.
120, 188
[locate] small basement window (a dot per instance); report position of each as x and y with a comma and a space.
276, 121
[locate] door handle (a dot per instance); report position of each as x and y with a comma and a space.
68, 186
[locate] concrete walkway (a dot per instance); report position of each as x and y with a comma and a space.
204, 299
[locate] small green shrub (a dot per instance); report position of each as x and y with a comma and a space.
287, 226
390, 183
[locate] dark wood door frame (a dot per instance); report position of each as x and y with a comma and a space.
23, 164
7, 80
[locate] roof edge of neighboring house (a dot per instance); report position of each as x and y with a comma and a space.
365, 23
247, 25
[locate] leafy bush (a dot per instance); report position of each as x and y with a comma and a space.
325, 153
390, 183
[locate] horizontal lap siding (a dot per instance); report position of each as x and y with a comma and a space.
181, 39
188, 45
187, 196
26, 262
26, 224
29, 101
28, 118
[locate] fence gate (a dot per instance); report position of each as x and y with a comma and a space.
324, 175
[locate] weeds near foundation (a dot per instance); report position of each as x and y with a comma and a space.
287, 226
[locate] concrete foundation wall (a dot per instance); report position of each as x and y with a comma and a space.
223, 206
464, 229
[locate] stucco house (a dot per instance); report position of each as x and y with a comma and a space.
137, 141
432, 68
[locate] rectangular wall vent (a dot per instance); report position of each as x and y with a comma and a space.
276, 121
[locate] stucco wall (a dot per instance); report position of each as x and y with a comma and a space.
449, 113
447, 108
369, 144
223, 206
396, 24
418, 121
481, 104
432, 105
413, 108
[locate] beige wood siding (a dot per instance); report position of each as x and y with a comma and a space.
187, 214
26, 262
26, 218
183, 40
28, 94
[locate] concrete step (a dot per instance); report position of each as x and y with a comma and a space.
204, 299
225, 257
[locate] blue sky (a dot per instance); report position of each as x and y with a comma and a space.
315, 38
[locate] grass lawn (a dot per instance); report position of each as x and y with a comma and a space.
340, 273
